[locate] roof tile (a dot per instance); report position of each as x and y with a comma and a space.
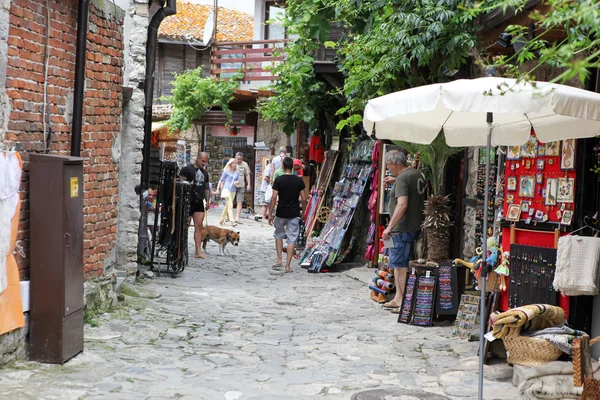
188, 23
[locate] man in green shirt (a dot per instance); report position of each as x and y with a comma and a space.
407, 202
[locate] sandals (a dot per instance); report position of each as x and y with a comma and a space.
277, 266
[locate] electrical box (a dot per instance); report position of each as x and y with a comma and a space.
56, 257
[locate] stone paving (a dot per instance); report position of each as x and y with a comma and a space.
231, 328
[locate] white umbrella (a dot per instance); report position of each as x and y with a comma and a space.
482, 112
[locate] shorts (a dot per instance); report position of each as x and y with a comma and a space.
196, 207
287, 229
239, 195
400, 253
261, 199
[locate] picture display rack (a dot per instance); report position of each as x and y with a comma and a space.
467, 317
418, 303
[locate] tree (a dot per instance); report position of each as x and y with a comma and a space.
193, 95
437, 223
575, 55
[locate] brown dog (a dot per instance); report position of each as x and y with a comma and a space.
221, 236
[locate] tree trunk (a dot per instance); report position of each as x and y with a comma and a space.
438, 244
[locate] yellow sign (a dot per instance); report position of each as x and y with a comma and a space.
74, 186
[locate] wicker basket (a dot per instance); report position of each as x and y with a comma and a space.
578, 362
529, 351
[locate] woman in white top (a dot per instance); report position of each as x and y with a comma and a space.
227, 186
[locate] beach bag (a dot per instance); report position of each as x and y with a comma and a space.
268, 194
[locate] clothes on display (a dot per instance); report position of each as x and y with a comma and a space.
315, 150
173, 210
577, 263
11, 311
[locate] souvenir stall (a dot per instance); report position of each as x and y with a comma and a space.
222, 143
314, 213
325, 249
10, 293
170, 237
538, 208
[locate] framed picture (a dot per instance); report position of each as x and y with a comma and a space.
510, 198
529, 149
567, 155
528, 164
218, 141
527, 187
541, 150
228, 152
514, 212
513, 153
539, 178
220, 154
511, 183
567, 217
551, 191
525, 206
552, 149
539, 215
215, 149
483, 155
566, 190
539, 164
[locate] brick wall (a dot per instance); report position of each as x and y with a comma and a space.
101, 114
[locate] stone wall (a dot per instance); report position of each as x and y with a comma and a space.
132, 136
470, 217
101, 114
272, 134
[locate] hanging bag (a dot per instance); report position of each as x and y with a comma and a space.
268, 194
301, 241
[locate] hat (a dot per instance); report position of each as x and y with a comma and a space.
297, 162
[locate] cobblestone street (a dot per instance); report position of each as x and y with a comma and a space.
231, 328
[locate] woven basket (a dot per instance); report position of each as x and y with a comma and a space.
578, 363
529, 351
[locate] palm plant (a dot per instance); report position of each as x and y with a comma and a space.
437, 223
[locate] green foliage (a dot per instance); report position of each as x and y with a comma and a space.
193, 95
434, 157
574, 55
387, 46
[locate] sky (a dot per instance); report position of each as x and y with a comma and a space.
240, 5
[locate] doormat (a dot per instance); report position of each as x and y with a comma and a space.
396, 394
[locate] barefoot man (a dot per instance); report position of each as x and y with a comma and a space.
406, 206
288, 192
200, 192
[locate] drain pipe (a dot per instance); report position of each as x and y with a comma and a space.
151, 44
82, 28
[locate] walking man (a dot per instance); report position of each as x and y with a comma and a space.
407, 202
276, 163
197, 175
243, 184
287, 190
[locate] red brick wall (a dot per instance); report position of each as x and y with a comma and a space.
101, 113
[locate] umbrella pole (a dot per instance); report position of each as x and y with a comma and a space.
483, 266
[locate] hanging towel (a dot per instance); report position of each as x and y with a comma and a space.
5, 229
577, 262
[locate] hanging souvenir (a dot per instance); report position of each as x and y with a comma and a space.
567, 155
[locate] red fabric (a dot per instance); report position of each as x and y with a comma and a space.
315, 151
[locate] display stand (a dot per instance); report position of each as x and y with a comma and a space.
347, 193
418, 302
172, 207
319, 192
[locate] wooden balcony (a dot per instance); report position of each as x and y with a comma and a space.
255, 59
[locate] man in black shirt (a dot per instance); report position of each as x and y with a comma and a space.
197, 175
287, 189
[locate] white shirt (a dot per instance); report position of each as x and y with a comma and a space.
276, 163
264, 185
